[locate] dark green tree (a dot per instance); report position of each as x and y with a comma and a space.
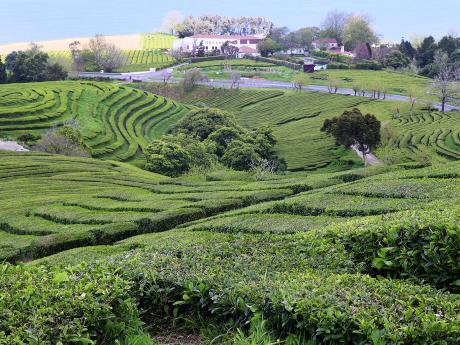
240, 155
353, 128
407, 49
268, 47
426, 51
449, 45
55, 72
3, 76
200, 50
167, 158
202, 122
396, 60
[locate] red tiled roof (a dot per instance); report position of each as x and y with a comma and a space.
247, 50
226, 37
325, 40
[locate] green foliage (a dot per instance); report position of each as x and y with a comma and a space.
82, 304
116, 122
337, 65
354, 128
3, 76
396, 60
29, 66
268, 47
202, 122
167, 158
369, 65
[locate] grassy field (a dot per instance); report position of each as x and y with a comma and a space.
157, 41
245, 67
117, 122
351, 257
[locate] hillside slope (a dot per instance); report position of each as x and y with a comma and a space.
117, 122
297, 118
351, 257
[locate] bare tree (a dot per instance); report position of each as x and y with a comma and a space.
192, 78
446, 83
235, 77
166, 76
333, 85
106, 55
171, 21
334, 25
75, 53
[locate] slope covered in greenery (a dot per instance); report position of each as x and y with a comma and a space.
296, 119
117, 122
362, 256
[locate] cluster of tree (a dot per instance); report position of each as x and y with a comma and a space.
98, 55
350, 30
217, 25
31, 65
353, 128
209, 135
424, 55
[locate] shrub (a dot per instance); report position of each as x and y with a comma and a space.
202, 122
167, 158
369, 64
76, 305
28, 138
337, 65
192, 78
66, 140
240, 156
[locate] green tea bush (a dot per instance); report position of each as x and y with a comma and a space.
423, 245
83, 304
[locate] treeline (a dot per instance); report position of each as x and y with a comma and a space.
217, 25
424, 55
31, 65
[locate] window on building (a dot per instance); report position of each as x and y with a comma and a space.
253, 41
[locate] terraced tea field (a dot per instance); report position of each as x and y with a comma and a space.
157, 41
297, 118
133, 60
117, 122
353, 256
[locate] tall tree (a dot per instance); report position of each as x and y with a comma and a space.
449, 44
353, 128
407, 49
268, 47
333, 25
426, 51
3, 77
358, 30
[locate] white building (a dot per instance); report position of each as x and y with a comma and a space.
245, 44
325, 44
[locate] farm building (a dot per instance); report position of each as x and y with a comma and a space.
246, 44
325, 44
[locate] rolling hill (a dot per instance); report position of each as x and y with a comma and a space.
117, 122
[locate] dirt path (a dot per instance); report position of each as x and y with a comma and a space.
11, 146
370, 158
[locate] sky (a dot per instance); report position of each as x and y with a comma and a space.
35, 20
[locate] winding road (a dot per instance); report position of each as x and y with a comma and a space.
158, 76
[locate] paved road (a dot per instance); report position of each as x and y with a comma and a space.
158, 76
